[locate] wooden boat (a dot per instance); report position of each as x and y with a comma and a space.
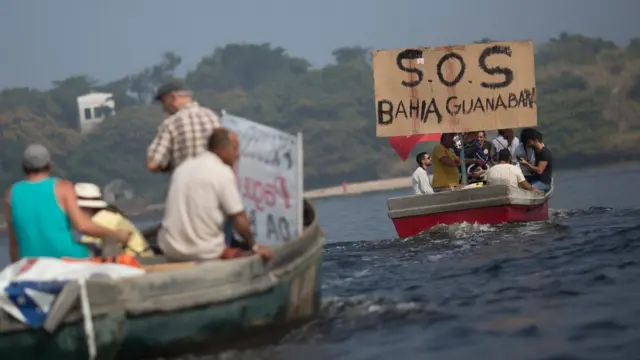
218, 304
496, 204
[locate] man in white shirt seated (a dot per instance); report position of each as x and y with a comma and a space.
421, 181
504, 173
203, 194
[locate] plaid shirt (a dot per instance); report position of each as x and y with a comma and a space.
182, 135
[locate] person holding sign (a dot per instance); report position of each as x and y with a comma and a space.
446, 173
203, 194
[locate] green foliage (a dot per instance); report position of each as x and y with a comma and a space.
588, 89
566, 81
633, 49
634, 90
573, 122
572, 49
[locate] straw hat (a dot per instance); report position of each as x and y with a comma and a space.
89, 196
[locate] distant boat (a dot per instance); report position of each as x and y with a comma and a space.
495, 204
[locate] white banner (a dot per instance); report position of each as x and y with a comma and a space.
270, 179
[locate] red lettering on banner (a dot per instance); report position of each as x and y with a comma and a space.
265, 193
27, 266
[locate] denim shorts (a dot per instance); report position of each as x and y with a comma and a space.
539, 185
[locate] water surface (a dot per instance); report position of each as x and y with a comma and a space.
562, 289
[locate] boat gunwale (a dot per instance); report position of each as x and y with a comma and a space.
288, 259
503, 195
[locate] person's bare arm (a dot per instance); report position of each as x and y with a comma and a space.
81, 221
538, 169
525, 185
159, 152
13, 242
241, 224
231, 203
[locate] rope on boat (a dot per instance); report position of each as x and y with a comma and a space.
88, 319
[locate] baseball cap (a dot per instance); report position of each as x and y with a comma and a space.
36, 156
169, 86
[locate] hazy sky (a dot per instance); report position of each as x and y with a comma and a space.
46, 40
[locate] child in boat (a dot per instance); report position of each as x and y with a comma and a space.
91, 202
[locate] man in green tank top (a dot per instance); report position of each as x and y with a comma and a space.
41, 210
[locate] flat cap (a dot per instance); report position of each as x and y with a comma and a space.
169, 86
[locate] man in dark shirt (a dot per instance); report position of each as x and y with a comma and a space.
543, 168
473, 152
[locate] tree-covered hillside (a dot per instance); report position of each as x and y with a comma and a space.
588, 100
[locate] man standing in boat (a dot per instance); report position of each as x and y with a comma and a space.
446, 165
204, 193
420, 180
543, 168
184, 133
505, 140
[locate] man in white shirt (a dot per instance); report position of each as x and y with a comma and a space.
203, 194
421, 181
505, 140
504, 173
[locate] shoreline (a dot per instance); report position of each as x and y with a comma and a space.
405, 181
377, 186
360, 188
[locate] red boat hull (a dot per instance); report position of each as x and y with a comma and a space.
413, 225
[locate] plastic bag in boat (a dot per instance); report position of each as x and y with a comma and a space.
30, 286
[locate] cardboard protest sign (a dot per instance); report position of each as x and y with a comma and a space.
454, 88
270, 179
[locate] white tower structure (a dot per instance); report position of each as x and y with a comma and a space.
93, 108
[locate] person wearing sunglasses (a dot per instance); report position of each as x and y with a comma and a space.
421, 181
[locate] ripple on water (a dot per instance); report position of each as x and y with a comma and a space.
566, 288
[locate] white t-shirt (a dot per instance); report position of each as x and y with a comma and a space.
421, 182
203, 192
500, 143
504, 174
